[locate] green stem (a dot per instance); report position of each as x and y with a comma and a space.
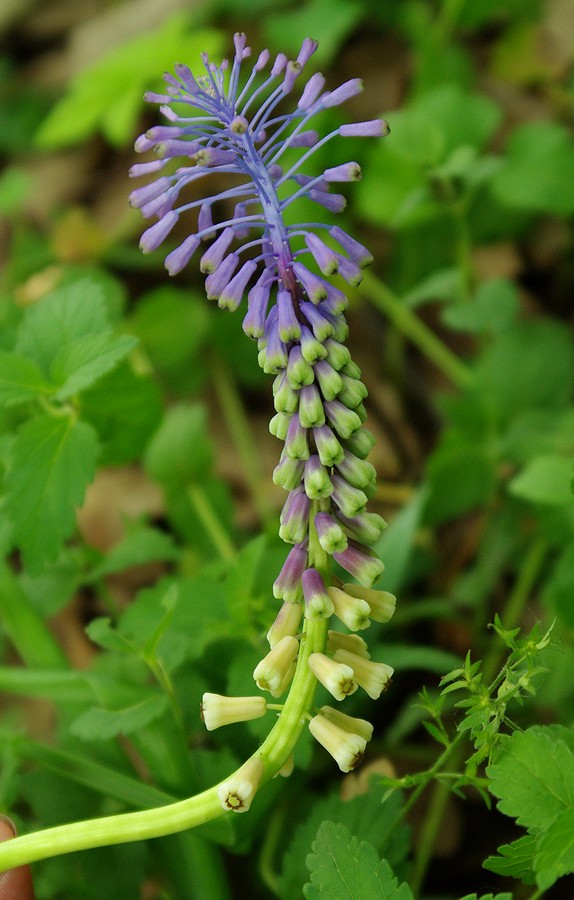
240, 429
204, 509
416, 331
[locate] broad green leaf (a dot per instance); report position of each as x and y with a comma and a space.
493, 309
180, 451
347, 869
533, 778
51, 463
102, 632
461, 476
537, 170
98, 724
70, 313
108, 95
140, 545
85, 360
515, 859
443, 285
555, 856
20, 379
545, 479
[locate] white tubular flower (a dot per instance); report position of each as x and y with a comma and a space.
347, 749
237, 792
271, 672
286, 623
351, 642
348, 723
217, 710
336, 676
371, 676
382, 603
352, 611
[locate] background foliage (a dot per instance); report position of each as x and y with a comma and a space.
133, 399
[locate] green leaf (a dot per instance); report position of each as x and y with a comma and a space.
545, 479
494, 308
70, 313
139, 546
505, 896
515, 860
410, 656
85, 360
51, 462
108, 95
555, 856
334, 20
537, 170
347, 869
461, 475
20, 379
180, 451
533, 778
98, 724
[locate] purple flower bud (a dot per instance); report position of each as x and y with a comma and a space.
262, 60
361, 563
304, 139
344, 421
153, 237
143, 144
292, 72
218, 279
179, 258
232, 295
258, 301
168, 149
372, 128
317, 601
349, 270
321, 327
366, 527
146, 168
152, 191
153, 97
357, 472
333, 202
211, 157
308, 48
289, 327
353, 392
350, 171
287, 585
186, 77
205, 218
288, 472
311, 413
325, 258
311, 91
158, 207
279, 64
361, 443
286, 398
295, 523
315, 286
279, 425
329, 380
330, 533
328, 447
357, 251
337, 354
317, 482
311, 348
214, 254
344, 92
296, 442
350, 500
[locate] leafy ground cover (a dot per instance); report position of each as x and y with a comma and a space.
139, 522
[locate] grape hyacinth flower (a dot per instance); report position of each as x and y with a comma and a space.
235, 127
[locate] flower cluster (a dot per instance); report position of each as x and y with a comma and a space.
237, 132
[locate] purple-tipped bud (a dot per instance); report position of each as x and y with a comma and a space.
153, 237
317, 602
317, 482
286, 623
288, 472
296, 442
357, 472
304, 139
210, 157
205, 218
350, 500
143, 144
311, 348
308, 48
361, 443
357, 251
353, 392
214, 254
344, 421
279, 64
311, 413
232, 295
179, 258
347, 90
350, 171
295, 523
279, 425
322, 328
218, 280
262, 60
330, 533
315, 287
153, 97
286, 399
292, 72
366, 528
299, 372
240, 43
288, 326
372, 128
361, 564
349, 270
168, 149
143, 195
329, 380
337, 354
258, 301
287, 585
325, 258
146, 168
328, 447
158, 207
186, 77
311, 91
164, 133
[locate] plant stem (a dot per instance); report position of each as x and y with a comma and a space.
204, 509
240, 429
416, 331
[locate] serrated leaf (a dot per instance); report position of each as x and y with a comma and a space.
20, 379
70, 313
533, 778
83, 361
101, 632
98, 724
348, 869
52, 460
545, 479
515, 859
555, 856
